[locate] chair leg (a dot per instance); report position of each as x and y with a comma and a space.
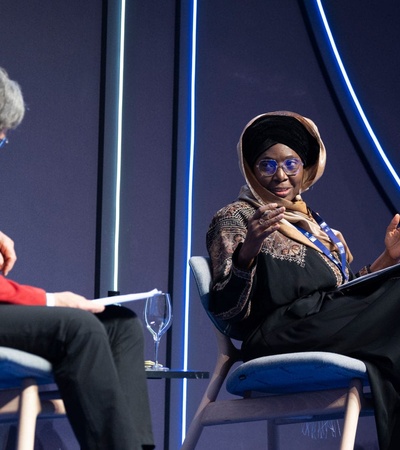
352, 413
273, 436
29, 409
223, 364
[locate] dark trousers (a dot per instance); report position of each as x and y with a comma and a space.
98, 366
362, 324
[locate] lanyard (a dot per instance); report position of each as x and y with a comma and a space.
325, 227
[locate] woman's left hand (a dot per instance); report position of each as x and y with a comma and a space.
392, 238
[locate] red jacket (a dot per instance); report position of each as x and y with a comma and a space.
20, 294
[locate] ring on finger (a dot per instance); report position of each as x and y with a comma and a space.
263, 218
265, 214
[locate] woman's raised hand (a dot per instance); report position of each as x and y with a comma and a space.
391, 254
264, 222
392, 238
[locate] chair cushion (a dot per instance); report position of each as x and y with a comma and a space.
16, 365
296, 372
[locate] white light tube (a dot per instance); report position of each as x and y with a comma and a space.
119, 145
192, 119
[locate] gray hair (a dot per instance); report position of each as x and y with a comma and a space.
12, 107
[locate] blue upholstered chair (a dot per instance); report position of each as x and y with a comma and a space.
21, 400
289, 388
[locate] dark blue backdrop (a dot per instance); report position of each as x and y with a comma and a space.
252, 57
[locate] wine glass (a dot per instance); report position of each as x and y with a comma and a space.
158, 317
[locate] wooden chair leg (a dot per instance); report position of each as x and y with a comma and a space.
226, 358
213, 388
352, 414
29, 409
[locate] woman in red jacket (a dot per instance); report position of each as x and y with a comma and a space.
96, 352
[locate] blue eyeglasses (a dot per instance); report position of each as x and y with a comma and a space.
3, 142
268, 167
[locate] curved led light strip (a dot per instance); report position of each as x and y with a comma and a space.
119, 145
189, 208
354, 96
190, 176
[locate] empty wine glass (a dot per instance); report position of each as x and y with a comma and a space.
158, 317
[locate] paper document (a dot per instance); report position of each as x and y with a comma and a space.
126, 298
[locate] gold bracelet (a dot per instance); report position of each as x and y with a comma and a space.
364, 270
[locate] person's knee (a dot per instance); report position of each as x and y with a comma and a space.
122, 323
131, 326
83, 322
137, 329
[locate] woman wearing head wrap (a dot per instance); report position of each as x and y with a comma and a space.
277, 267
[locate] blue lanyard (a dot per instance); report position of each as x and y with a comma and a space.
325, 227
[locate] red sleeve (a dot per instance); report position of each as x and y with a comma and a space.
19, 294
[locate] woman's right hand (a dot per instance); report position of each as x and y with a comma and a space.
7, 254
264, 222
71, 300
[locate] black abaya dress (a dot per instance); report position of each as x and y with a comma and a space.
290, 302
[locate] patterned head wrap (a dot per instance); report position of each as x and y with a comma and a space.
302, 136
305, 141
269, 130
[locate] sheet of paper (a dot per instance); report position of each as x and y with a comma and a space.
126, 298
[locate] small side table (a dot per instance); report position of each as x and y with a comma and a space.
168, 376
157, 374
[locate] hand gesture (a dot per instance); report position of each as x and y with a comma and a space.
264, 222
7, 254
392, 238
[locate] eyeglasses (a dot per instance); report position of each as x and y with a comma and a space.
3, 142
268, 167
